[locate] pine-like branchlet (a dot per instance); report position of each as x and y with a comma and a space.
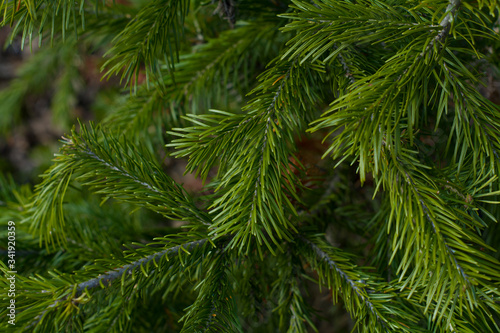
398, 220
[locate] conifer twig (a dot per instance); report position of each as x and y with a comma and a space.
358, 290
450, 251
269, 111
445, 24
110, 276
125, 174
473, 115
347, 70
113, 275
448, 19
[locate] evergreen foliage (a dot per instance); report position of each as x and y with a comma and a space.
398, 221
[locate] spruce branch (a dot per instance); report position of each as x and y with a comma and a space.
137, 112
483, 120
373, 77
216, 63
214, 308
295, 312
446, 24
436, 230
321, 26
107, 278
34, 17
360, 291
347, 70
111, 167
261, 145
341, 277
454, 234
448, 20
268, 114
154, 33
